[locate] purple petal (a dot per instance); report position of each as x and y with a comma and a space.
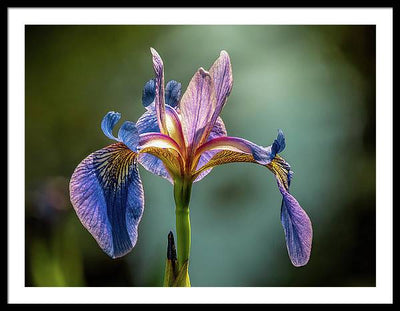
221, 73
148, 123
217, 131
261, 155
159, 99
172, 93
108, 123
107, 195
129, 135
149, 92
196, 107
297, 227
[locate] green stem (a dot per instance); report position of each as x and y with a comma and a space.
182, 190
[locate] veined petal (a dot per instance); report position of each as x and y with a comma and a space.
149, 92
261, 155
107, 195
148, 123
165, 149
108, 123
129, 135
172, 93
279, 144
157, 140
225, 157
217, 131
295, 221
159, 91
196, 107
234, 149
221, 73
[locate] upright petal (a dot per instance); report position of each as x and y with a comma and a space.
221, 73
107, 195
172, 93
159, 91
196, 107
149, 92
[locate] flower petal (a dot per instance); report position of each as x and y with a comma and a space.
149, 92
172, 93
159, 94
196, 107
296, 223
166, 150
148, 123
297, 227
108, 123
217, 131
234, 149
221, 73
261, 155
107, 195
279, 144
129, 135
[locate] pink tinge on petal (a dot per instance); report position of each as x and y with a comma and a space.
221, 73
157, 140
159, 96
196, 107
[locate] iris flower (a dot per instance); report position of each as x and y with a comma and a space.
180, 139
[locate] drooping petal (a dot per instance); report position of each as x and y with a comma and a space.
295, 221
159, 90
172, 93
108, 123
217, 131
107, 195
297, 227
296, 224
196, 107
234, 149
261, 155
225, 157
149, 92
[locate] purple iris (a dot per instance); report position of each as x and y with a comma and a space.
180, 139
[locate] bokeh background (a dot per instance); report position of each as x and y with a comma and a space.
316, 83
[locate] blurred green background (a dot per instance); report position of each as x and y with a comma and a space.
316, 83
